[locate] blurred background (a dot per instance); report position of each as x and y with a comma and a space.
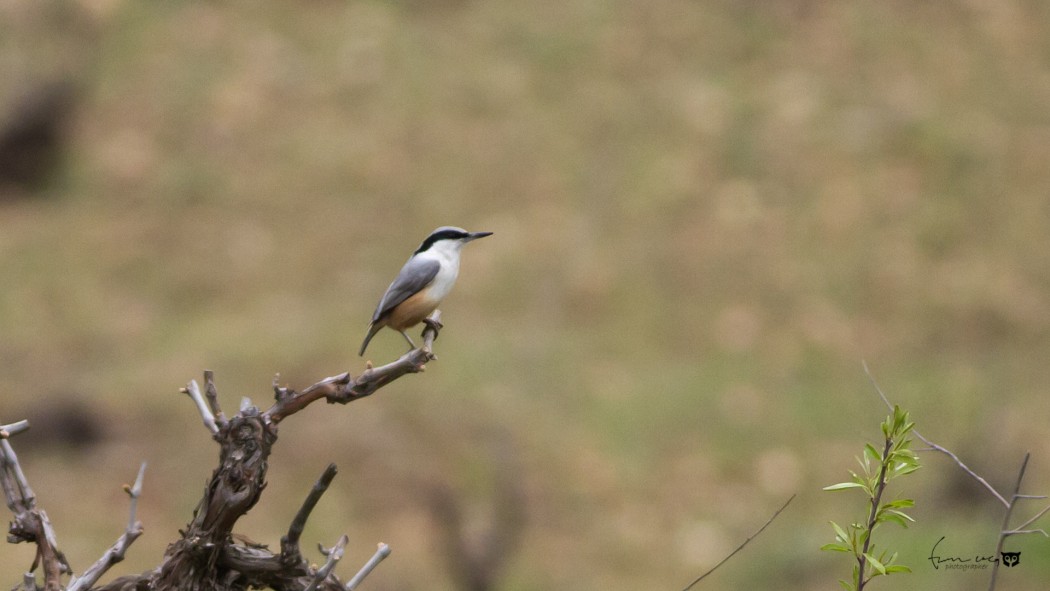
707, 215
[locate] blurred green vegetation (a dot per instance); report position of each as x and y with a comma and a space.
706, 215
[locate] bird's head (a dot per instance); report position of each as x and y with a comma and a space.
449, 237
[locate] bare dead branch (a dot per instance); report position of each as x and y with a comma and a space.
1034, 517
1014, 532
741, 546
382, 552
13, 429
13, 493
280, 393
935, 447
212, 394
343, 388
134, 493
1004, 530
30, 524
21, 497
334, 555
209, 555
290, 552
116, 552
52, 539
205, 550
194, 392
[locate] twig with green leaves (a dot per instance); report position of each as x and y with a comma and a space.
1005, 531
878, 469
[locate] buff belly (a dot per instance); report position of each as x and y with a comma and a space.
411, 311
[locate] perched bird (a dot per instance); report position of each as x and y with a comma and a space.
423, 282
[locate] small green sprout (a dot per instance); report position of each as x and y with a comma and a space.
877, 469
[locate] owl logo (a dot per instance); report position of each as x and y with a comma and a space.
1011, 558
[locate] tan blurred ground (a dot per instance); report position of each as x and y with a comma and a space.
706, 215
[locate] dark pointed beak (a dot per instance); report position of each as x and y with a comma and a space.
476, 235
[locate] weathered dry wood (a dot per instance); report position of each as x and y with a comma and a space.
116, 552
207, 555
290, 551
343, 388
30, 523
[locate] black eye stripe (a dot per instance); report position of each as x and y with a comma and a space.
442, 235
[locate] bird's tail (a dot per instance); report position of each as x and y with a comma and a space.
373, 328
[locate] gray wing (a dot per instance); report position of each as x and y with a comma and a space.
414, 276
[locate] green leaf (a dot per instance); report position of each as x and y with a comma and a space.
904, 457
834, 548
901, 513
844, 485
900, 419
897, 568
907, 428
872, 453
846, 586
894, 518
862, 482
840, 533
862, 534
899, 503
904, 468
875, 564
865, 465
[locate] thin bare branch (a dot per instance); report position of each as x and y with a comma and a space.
1034, 517
290, 552
343, 388
134, 493
1014, 532
935, 447
12, 491
382, 552
212, 394
13, 429
194, 392
52, 561
30, 523
741, 546
116, 552
20, 496
334, 555
279, 392
1006, 521
50, 537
